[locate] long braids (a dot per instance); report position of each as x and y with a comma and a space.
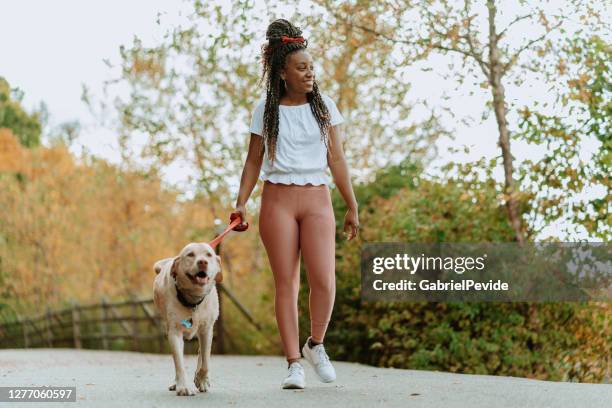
274, 57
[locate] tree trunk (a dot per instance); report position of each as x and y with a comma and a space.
499, 100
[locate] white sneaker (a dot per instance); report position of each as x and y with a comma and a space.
320, 362
296, 377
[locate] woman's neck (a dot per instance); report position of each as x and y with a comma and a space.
293, 99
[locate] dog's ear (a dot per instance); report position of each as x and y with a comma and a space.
219, 275
173, 270
157, 266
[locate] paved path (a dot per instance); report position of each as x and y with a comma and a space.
125, 379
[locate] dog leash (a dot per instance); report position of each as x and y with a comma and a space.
235, 220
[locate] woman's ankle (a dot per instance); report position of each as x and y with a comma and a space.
312, 343
292, 360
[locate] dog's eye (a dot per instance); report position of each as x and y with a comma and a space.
209, 254
191, 254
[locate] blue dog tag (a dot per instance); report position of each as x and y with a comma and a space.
186, 323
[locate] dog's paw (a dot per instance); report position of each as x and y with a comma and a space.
202, 382
184, 390
203, 386
172, 387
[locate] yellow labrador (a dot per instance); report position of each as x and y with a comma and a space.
186, 296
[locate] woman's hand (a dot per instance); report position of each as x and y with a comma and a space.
351, 224
241, 210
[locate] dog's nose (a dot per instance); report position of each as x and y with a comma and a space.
202, 263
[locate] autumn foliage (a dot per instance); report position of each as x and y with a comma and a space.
74, 230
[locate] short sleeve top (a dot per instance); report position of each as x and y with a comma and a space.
301, 156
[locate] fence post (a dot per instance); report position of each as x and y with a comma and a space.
161, 339
134, 321
24, 328
48, 324
103, 330
26, 332
76, 329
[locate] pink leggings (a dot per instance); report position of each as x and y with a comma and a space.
294, 218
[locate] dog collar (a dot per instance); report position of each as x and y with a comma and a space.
185, 302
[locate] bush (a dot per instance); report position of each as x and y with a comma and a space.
552, 341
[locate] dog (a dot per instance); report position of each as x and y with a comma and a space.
185, 295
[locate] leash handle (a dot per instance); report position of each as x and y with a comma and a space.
236, 220
235, 215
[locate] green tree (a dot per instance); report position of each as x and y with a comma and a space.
488, 54
583, 113
26, 126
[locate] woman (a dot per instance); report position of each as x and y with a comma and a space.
295, 125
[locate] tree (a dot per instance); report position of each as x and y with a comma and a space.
472, 33
26, 126
582, 112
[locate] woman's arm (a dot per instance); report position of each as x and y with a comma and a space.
340, 172
250, 173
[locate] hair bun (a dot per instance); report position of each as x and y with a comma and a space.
280, 27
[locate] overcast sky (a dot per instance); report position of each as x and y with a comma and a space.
50, 48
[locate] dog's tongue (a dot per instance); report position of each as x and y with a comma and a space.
201, 281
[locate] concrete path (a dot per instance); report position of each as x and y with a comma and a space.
126, 379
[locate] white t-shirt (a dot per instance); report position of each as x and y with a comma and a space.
301, 156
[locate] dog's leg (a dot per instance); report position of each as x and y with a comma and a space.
175, 338
173, 386
205, 334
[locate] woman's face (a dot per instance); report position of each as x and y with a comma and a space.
299, 72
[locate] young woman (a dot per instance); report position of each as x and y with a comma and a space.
296, 126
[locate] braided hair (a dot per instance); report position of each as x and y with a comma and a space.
274, 58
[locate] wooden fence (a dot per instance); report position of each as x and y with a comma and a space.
127, 325
132, 324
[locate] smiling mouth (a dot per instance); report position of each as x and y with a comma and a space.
201, 278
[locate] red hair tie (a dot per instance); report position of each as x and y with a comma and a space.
286, 39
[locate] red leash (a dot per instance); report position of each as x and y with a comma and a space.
235, 219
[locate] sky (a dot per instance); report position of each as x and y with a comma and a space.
58, 46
